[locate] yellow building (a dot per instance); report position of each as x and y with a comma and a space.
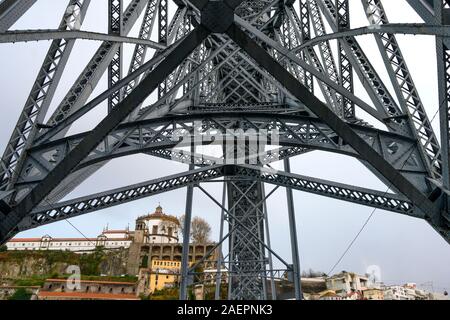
163, 274
373, 294
329, 295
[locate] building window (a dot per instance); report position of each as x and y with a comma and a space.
155, 230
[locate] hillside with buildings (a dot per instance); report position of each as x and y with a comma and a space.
145, 263
150, 255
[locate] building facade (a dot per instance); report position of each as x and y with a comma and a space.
108, 239
346, 283
156, 237
157, 227
373, 294
397, 293
154, 251
62, 289
163, 274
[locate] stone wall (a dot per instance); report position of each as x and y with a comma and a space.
26, 264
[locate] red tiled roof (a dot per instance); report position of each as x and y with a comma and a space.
92, 281
66, 239
115, 231
117, 239
87, 295
25, 240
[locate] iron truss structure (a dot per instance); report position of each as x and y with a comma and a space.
223, 68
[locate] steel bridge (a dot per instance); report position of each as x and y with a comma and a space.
221, 69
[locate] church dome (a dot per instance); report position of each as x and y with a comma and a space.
160, 215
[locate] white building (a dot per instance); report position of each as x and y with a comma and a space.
157, 227
346, 283
109, 239
399, 293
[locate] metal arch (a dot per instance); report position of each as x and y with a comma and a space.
49, 34
392, 28
228, 79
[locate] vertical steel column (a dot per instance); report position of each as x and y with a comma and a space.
246, 254
293, 237
162, 37
186, 241
219, 256
442, 15
115, 23
345, 66
187, 228
273, 288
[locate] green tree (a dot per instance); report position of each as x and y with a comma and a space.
144, 263
3, 248
21, 294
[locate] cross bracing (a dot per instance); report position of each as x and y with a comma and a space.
228, 73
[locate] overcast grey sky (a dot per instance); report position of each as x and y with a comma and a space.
406, 249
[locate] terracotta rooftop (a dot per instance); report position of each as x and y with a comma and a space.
25, 240
93, 281
87, 295
116, 231
66, 239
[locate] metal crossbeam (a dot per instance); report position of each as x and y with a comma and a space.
71, 208
226, 73
11, 11
162, 133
